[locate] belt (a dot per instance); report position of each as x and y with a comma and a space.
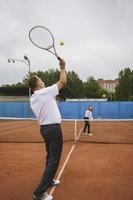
48, 125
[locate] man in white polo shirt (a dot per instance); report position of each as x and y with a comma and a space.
45, 108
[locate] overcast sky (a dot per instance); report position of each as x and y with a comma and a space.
98, 36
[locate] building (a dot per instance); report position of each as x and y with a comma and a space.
108, 85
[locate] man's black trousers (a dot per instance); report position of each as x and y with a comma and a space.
52, 136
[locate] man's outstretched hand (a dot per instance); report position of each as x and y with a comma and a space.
62, 64
63, 77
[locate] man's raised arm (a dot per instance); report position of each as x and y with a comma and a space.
63, 77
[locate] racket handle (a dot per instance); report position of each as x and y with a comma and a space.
58, 58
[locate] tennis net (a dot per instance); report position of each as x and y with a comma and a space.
25, 130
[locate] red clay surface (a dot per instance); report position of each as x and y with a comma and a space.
95, 171
98, 172
21, 168
28, 131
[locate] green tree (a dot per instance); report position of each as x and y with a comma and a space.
124, 90
73, 88
49, 77
19, 84
74, 85
92, 89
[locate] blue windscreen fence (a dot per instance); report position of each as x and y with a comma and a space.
72, 110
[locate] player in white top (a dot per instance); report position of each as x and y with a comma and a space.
45, 108
88, 116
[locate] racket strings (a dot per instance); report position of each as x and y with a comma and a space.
42, 38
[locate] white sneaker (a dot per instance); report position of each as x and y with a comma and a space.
84, 133
46, 196
55, 182
90, 134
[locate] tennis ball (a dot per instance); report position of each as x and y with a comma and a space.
61, 43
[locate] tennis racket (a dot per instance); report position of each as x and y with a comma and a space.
42, 38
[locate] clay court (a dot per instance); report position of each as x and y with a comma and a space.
92, 168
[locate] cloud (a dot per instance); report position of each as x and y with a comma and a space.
97, 35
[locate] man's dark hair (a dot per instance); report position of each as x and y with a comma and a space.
32, 82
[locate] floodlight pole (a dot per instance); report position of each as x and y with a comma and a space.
26, 61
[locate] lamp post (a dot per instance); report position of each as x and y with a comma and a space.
26, 61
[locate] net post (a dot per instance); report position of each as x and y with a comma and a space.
75, 130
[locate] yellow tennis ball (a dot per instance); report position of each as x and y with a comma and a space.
61, 43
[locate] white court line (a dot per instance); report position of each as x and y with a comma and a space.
79, 133
6, 125
62, 169
6, 128
10, 127
65, 163
11, 123
14, 131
